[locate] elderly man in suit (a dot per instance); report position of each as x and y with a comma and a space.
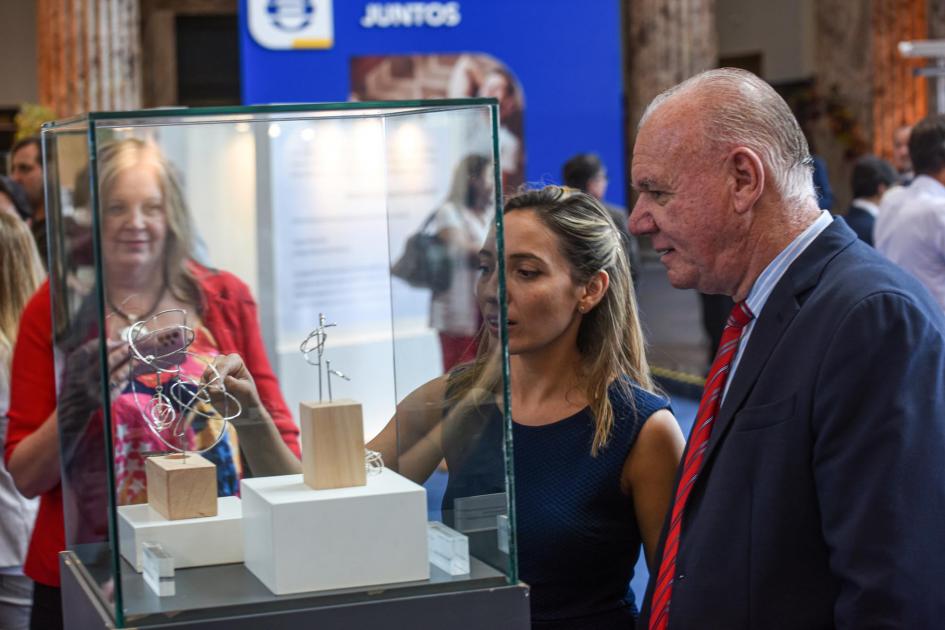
812, 492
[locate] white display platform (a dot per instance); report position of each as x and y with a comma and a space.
192, 542
297, 539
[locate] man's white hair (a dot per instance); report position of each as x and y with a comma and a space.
739, 109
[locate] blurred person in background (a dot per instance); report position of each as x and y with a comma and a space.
20, 274
147, 267
462, 222
26, 169
872, 177
587, 173
901, 159
910, 228
13, 199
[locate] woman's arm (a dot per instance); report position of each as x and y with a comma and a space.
261, 443
32, 442
649, 476
34, 463
411, 443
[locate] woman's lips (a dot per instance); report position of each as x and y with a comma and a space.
493, 323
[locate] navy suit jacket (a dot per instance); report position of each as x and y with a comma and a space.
821, 503
861, 222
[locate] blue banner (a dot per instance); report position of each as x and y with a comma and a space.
555, 65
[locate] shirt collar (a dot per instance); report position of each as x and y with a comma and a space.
928, 185
775, 270
868, 206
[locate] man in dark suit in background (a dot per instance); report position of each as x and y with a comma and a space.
872, 177
587, 173
812, 492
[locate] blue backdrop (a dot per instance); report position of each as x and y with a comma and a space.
566, 54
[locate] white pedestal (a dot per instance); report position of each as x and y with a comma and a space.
192, 542
297, 539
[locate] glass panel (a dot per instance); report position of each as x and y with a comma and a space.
231, 235
441, 174
76, 309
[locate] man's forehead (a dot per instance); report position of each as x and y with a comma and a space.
27, 152
661, 144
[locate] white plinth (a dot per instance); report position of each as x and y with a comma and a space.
297, 539
192, 542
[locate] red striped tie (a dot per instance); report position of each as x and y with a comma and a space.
698, 441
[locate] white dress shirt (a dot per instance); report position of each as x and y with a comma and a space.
866, 205
768, 280
910, 231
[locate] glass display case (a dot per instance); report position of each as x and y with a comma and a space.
258, 314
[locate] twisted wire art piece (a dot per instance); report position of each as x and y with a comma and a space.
373, 462
162, 349
314, 343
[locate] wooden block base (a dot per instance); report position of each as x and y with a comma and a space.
332, 444
182, 486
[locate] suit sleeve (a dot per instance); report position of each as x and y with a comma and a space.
879, 447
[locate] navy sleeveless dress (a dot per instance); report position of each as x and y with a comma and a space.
578, 539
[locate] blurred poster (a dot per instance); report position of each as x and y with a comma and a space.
432, 76
330, 225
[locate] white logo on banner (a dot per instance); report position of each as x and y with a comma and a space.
394, 14
286, 24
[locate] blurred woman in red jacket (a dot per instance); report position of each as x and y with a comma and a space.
147, 269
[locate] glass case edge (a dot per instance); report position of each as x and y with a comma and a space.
280, 107
503, 336
118, 604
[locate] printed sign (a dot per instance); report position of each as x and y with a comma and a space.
291, 24
407, 14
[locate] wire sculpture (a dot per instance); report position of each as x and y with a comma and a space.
179, 399
314, 343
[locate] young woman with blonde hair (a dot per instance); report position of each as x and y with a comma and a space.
20, 273
595, 448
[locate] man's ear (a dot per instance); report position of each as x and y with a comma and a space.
748, 178
594, 291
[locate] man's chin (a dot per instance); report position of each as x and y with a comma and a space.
681, 281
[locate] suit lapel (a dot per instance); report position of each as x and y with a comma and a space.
776, 316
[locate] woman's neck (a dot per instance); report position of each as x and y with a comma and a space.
552, 374
135, 291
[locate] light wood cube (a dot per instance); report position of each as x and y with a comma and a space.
182, 486
332, 444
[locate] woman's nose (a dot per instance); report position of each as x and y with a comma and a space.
135, 217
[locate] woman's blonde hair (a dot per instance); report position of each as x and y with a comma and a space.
21, 272
610, 339
115, 158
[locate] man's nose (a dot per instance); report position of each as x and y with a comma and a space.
640, 221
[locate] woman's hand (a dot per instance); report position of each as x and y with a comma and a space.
262, 446
230, 371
